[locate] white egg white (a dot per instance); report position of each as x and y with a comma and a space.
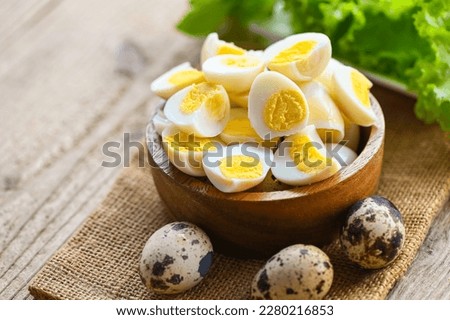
200, 122
308, 66
285, 169
265, 85
343, 154
323, 112
213, 159
224, 70
326, 77
189, 162
348, 101
213, 46
160, 122
256, 53
162, 87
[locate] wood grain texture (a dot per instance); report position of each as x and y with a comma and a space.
429, 275
244, 222
75, 80
73, 75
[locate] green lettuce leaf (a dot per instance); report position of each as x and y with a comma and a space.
430, 77
405, 40
206, 16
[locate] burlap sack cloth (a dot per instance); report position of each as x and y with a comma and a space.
101, 260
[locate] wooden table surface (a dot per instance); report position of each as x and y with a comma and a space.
73, 76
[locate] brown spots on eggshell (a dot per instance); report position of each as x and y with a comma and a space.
175, 258
373, 233
296, 272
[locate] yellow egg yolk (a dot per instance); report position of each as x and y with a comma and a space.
241, 167
208, 94
297, 52
284, 110
184, 142
240, 62
240, 127
230, 49
361, 86
328, 135
184, 78
240, 99
306, 156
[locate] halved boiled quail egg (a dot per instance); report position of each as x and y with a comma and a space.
323, 112
301, 159
234, 72
276, 106
238, 128
326, 77
213, 46
352, 94
186, 151
202, 109
301, 57
238, 167
176, 79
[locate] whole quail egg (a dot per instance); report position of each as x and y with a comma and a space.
296, 272
373, 233
175, 258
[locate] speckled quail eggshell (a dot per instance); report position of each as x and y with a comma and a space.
373, 233
296, 272
175, 258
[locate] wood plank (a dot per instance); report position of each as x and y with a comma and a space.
17, 17
65, 127
72, 52
77, 171
51, 188
429, 275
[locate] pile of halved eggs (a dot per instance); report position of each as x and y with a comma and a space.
291, 109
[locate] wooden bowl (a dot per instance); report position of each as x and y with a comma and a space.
272, 215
